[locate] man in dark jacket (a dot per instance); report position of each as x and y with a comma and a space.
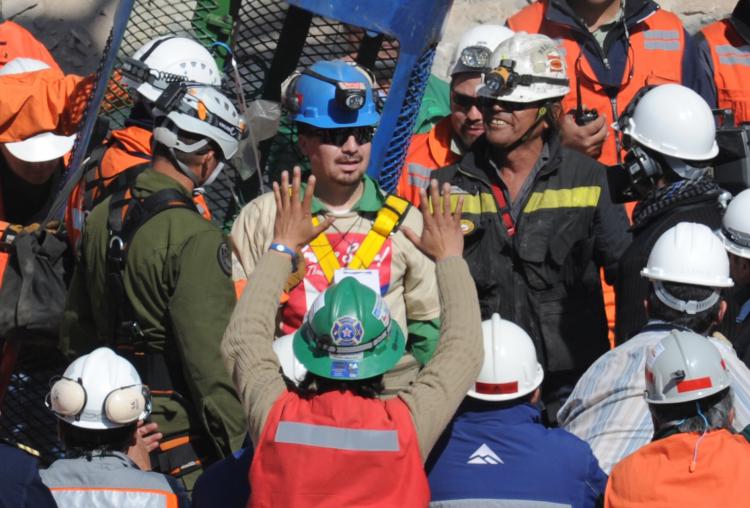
537, 217
21, 485
671, 135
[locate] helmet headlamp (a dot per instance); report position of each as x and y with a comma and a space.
350, 95
476, 57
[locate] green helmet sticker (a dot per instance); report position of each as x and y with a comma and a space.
348, 334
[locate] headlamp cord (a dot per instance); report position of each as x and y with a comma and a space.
694, 463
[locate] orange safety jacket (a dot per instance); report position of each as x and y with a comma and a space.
427, 152
17, 42
657, 45
659, 474
730, 55
338, 449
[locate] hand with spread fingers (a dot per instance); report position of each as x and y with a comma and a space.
293, 227
442, 236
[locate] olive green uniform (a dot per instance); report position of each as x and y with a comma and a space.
177, 278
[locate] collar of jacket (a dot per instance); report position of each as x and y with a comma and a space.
110, 457
506, 415
560, 12
476, 162
150, 181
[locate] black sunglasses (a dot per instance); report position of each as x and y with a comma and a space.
489, 102
338, 137
465, 102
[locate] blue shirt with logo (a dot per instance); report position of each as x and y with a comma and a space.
505, 453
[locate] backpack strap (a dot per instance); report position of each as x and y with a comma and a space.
127, 214
94, 179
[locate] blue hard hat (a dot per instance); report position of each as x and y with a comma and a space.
333, 94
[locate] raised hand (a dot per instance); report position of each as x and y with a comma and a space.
442, 236
293, 227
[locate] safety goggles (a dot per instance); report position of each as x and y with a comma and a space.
465, 102
338, 137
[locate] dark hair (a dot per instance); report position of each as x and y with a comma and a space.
313, 385
78, 440
702, 322
684, 416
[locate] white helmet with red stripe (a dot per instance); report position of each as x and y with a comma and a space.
684, 367
510, 368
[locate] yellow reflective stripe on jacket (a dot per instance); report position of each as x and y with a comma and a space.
483, 202
387, 219
577, 197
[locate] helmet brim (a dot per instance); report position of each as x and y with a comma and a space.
351, 367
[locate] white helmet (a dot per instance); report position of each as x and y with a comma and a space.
683, 367
291, 367
167, 59
735, 226
510, 369
202, 110
688, 253
474, 50
99, 391
675, 121
42, 147
526, 68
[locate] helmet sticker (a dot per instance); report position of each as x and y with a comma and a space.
344, 369
380, 311
347, 331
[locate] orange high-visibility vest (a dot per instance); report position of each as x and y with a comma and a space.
427, 152
338, 449
658, 475
17, 42
730, 54
657, 43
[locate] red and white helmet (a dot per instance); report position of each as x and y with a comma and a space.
510, 368
683, 367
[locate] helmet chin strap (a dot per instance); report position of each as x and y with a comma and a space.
195, 178
526, 135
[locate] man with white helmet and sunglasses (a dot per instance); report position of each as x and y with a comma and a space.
695, 459
452, 136
687, 272
496, 449
154, 281
100, 401
538, 220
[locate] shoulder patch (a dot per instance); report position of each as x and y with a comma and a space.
224, 256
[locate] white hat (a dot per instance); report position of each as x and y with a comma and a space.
510, 369
735, 226
475, 48
42, 147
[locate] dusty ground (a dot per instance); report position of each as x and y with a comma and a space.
75, 30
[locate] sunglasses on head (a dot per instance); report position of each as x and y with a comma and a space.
489, 103
465, 102
338, 137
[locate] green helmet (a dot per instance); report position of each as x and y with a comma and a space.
348, 334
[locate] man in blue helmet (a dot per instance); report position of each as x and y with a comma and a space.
332, 107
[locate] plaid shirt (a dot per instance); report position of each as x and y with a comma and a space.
607, 408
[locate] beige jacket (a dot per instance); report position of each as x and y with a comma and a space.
432, 398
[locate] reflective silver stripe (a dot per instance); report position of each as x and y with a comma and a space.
661, 34
726, 49
496, 503
110, 498
337, 438
663, 45
417, 169
734, 60
420, 182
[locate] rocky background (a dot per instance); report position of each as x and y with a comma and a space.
75, 30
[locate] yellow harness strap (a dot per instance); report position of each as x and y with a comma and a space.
388, 218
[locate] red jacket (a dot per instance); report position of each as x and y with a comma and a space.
337, 450
731, 68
